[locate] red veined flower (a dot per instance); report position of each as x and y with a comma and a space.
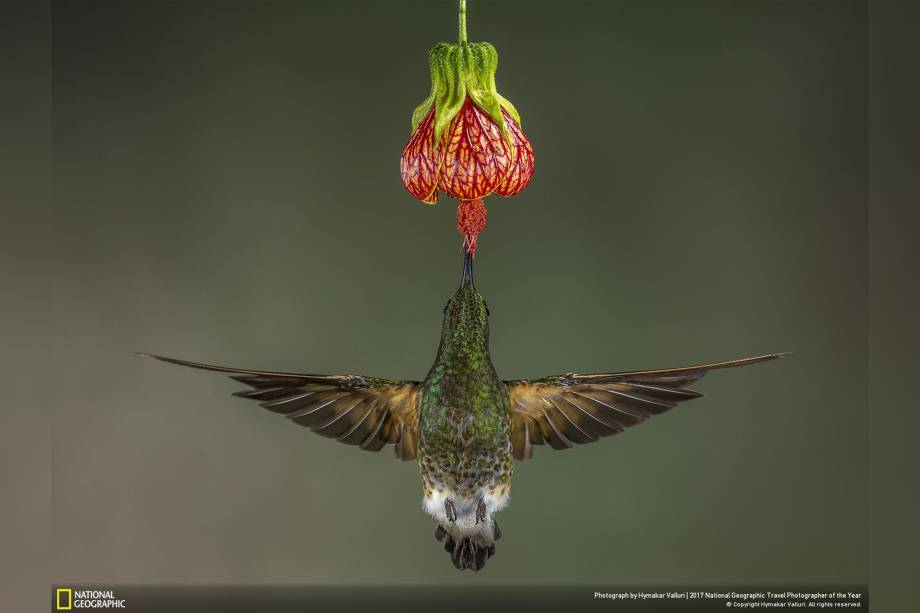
467, 139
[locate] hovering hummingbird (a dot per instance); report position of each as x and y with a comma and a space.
462, 423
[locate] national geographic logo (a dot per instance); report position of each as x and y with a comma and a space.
69, 598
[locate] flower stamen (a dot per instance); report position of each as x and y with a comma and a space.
471, 220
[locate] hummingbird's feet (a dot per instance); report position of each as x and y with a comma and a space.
440, 533
481, 511
450, 510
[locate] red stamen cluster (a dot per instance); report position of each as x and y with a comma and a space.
471, 220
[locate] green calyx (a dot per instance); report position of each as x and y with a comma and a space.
461, 70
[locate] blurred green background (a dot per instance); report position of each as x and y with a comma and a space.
227, 187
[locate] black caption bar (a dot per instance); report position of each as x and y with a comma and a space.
448, 599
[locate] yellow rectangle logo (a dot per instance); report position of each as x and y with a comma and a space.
63, 598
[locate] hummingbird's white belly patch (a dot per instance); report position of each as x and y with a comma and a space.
465, 524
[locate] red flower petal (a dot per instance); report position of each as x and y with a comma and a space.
476, 155
420, 162
521, 171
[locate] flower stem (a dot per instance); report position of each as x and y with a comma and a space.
462, 20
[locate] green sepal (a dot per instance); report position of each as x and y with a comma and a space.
461, 70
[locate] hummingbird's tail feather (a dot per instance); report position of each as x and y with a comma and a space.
466, 522
466, 553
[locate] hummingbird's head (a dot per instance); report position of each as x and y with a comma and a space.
466, 313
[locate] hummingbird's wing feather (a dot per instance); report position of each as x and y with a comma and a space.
572, 409
357, 410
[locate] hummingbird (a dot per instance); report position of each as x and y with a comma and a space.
463, 424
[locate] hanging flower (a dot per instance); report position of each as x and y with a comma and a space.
467, 139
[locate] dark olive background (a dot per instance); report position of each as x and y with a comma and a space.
227, 184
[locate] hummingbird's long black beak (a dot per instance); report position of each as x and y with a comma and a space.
467, 278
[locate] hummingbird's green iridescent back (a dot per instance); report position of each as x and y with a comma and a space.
464, 419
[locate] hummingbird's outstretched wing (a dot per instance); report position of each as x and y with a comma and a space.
364, 411
573, 409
